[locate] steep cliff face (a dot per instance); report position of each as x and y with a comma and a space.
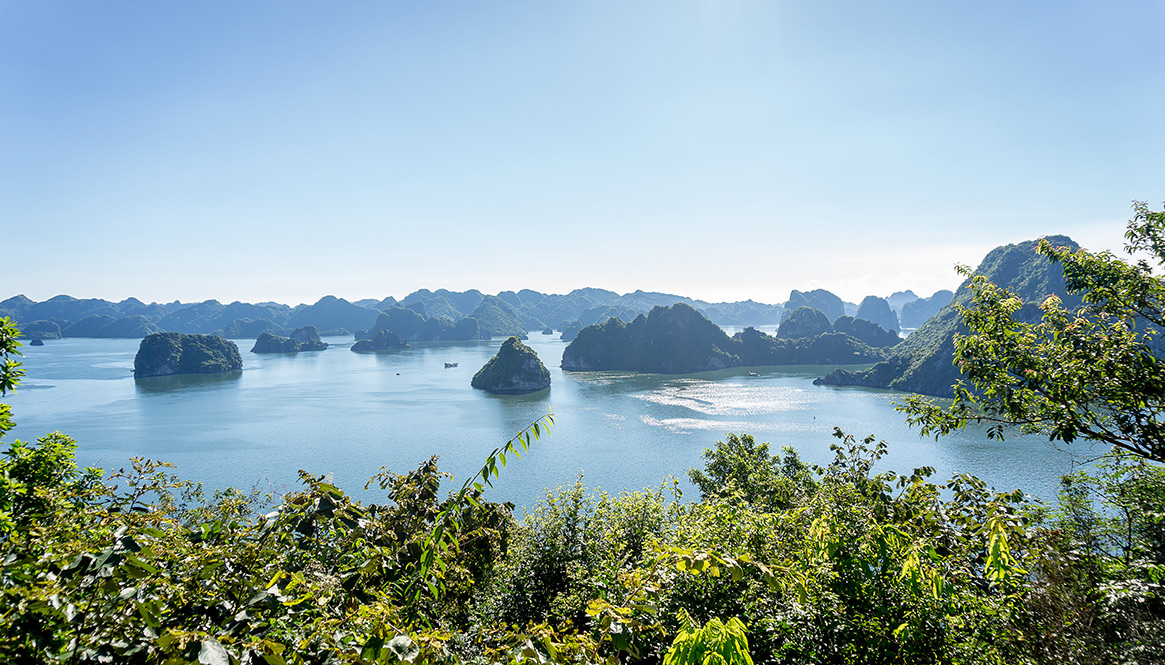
516, 369
804, 321
570, 330
924, 361
668, 340
916, 313
900, 299
308, 339
877, 310
819, 299
164, 354
867, 332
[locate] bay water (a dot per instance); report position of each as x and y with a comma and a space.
348, 414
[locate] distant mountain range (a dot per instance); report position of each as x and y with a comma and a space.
504, 314
640, 331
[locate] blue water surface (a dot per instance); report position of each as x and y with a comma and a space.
348, 414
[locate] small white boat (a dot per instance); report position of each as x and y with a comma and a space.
753, 374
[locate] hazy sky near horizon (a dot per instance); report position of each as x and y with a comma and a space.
721, 150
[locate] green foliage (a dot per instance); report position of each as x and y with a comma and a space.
10, 371
1100, 566
143, 568
717, 643
571, 548
1094, 373
865, 568
858, 568
740, 466
38, 481
1129, 523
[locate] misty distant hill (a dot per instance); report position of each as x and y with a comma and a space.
918, 311
560, 311
409, 325
509, 312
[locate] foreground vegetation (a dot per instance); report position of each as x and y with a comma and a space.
777, 562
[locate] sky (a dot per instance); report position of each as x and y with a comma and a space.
720, 149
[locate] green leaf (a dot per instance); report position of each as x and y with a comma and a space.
213, 653
403, 647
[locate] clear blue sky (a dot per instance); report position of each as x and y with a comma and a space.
723, 150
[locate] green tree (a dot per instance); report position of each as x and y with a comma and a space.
723, 642
740, 465
1094, 373
10, 371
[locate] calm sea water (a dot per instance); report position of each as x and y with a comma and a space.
348, 414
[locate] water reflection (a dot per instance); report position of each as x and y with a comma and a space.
514, 413
536, 396
186, 382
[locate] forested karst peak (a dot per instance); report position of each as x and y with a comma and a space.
922, 362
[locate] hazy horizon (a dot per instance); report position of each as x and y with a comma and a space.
401, 297
719, 150
1101, 236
